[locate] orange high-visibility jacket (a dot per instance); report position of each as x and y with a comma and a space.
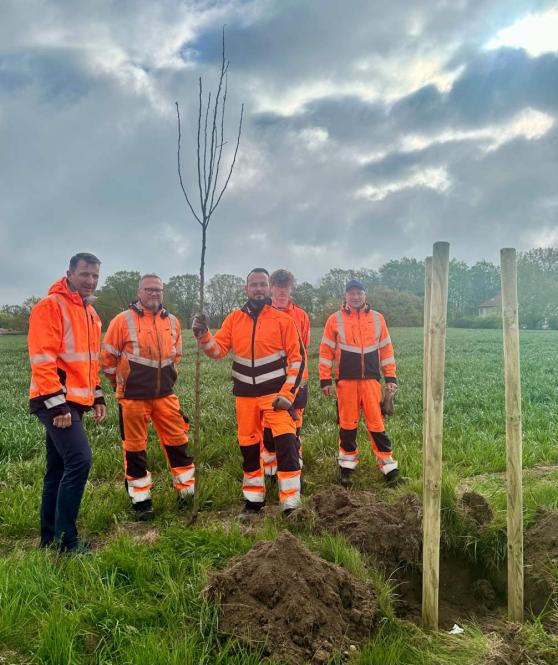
268, 354
357, 342
64, 343
141, 351
300, 317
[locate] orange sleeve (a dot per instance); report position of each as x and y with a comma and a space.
46, 331
296, 359
387, 356
218, 345
327, 350
111, 349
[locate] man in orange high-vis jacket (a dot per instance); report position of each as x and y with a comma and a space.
64, 344
141, 351
268, 366
282, 283
356, 342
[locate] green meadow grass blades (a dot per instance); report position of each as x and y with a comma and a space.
140, 591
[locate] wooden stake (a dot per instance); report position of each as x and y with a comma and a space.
435, 405
426, 362
512, 377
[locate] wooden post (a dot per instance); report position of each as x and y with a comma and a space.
512, 377
426, 362
435, 405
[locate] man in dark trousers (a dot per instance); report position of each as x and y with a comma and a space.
64, 345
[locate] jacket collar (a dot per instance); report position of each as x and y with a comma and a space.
62, 288
255, 312
138, 308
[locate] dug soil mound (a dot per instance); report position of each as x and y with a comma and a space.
541, 561
390, 532
296, 606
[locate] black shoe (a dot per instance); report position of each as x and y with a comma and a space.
345, 477
185, 502
80, 547
144, 511
394, 478
250, 510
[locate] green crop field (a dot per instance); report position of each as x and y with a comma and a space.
137, 599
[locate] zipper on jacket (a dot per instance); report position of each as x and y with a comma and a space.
158, 384
91, 388
361, 346
253, 347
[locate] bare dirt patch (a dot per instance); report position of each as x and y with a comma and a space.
296, 606
541, 561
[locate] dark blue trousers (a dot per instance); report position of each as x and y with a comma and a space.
68, 460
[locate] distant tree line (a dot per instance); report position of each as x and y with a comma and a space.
396, 289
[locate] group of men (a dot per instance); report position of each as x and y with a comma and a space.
268, 337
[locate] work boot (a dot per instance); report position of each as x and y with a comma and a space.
250, 511
78, 548
345, 477
144, 511
394, 478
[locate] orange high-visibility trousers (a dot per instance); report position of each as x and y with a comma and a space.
353, 397
252, 415
172, 429
269, 458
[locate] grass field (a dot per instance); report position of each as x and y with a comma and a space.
136, 600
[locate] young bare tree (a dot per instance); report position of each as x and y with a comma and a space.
211, 187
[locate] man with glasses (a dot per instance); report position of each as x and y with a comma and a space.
141, 352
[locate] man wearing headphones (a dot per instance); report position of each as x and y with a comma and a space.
141, 352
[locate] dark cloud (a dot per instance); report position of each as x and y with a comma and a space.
335, 101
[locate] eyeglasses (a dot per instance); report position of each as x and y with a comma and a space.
153, 292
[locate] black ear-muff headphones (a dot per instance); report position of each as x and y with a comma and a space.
140, 312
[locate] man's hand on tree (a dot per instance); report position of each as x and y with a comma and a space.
199, 325
327, 391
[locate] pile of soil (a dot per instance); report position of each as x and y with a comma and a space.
390, 532
540, 556
296, 606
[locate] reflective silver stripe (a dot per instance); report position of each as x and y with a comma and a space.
295, 365
290, 379
351, 348
167, 361
132, 331
138, 497
110, 370
55, 401
329, 342
81, 392
369, 349
148, 362
326, 362
241, 377
386, 468
268, 457
184, 477
99, 393
42, 358
172, 320
388, 361
257, 481
377, 324
258, 362
68, 332
347, 456
209, 345
140, 482
341, 327
242, 361
386, 341
111, 349
270, 375
78, 357
291, 502
285, 484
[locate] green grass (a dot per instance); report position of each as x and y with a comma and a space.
138, 595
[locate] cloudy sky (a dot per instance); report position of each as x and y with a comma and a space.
371, 130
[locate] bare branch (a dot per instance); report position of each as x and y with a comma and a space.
201, 190
212, 151
221, 143
205, 141
232, 164
180, 170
